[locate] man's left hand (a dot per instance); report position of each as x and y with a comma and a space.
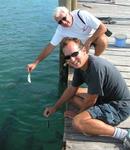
70, 114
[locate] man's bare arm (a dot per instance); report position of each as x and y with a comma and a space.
66, 96
46, 51
100, 31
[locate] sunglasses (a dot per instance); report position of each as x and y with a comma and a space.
74, 54
63, 19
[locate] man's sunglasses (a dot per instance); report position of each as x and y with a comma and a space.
63, 19
74, 54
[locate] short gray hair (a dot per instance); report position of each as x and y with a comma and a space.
58, 11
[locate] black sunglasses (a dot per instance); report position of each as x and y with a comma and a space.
74, 54
63, 19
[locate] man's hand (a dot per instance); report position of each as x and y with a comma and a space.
49, 111
31, 67
70, 114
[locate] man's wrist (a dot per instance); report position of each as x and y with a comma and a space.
36, 62
55, 107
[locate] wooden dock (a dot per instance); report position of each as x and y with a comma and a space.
118, 10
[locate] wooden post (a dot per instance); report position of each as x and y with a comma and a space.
66, 3
63, 70
64, 79
73, 4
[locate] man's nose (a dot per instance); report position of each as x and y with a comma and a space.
63, 21
72, 59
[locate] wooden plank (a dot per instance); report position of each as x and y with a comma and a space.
125, 124
98, 9
123, 68
78, 145
126, 75
115, 53
117, 60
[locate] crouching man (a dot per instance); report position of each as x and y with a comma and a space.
104, 104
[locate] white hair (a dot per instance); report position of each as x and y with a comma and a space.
58, 11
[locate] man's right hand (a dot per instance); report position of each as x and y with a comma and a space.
31, 67
49, 111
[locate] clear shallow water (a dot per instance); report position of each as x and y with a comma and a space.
25, 28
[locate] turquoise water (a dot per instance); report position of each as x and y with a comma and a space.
26, 26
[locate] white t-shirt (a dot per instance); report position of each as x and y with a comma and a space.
78, 29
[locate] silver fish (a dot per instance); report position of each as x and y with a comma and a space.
29, 77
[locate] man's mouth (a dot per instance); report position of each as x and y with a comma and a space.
76, 63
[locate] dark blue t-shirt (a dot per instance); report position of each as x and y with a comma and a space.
103, 79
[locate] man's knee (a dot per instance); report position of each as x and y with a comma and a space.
79, 120
101, 44
102, 40
76, 123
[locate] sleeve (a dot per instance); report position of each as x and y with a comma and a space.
96, 82
90, 19
77, 78
57, 37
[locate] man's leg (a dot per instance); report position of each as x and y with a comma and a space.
78, 99
84, 123
101, 44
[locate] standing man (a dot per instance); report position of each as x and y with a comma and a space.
106, 101
79, 24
